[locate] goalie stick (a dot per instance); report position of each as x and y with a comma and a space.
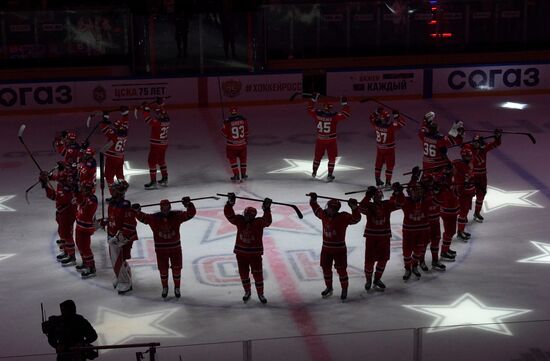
178, 201
293, 206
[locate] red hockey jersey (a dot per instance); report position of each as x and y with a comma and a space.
249, 234
378, 217
159, 129
85, 214
117, 139
235, 131
327, 121
334, 228
385, 134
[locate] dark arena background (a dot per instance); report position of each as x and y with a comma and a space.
479, 65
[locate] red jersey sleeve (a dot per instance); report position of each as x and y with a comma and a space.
184, 216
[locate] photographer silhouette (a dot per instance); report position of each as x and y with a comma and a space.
68, 331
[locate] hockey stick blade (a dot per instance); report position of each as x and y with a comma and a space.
293, 206
135, 113
28, 190
178, 201
355, 192
20, 132
325, 197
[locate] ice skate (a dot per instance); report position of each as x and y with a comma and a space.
88, 273
327, 292
246, 296
464, 236
314, 174
446, 256
80, 268
416, 272
407, 275
163, 182
387, 186
123, 292
68, 261
244, 177
478, 218
164, 293
262, 299
177, 292
330, 178
379, 183
379, 285
438, 266
61, 256
368, 284
452, 252
150, 185
344, 294
235, 178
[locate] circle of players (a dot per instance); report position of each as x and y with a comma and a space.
442, 189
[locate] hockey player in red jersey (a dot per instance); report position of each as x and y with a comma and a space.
385, 127
429, 191
121, 233
479, 159
87, 168
85, 228
415, 226
235, 132
249, 244
447, 199
67, 146
334, 249
326, 121
65, 214
158, 142
463, 179
377, 235
166, 235
117, 135
435, 144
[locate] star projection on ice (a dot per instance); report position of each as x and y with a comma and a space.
6, 256
305, 167
543, 257
468, 311
129, 171
497, 198
3, 207
512, 105
116, 327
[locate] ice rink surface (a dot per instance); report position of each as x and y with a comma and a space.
501, 274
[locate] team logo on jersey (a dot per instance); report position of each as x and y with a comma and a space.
231, 88
99, 94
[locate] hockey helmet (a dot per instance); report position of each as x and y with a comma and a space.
120, 185
383, 115
478, 141
89, 152
334, 205
249, 213
378, 195
233, 110
327, 106
165, 206
466, 153
71, 135
124, 110
429, 117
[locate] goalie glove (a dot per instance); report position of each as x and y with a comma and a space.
457, 129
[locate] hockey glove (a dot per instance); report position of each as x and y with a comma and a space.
313, 197
455, 129
371, 191
397, 187
266, 205
315, 97
186, 201
105, 119
352, 203
498, 133
231, 199
395, 114
136, 207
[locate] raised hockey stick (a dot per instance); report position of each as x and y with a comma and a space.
178, 201
102, 183
88, 123
221, 98
303, 95
325, 197
469, 142
533, 140
137, 107
20, 136
364, 100
35, 184
298, 213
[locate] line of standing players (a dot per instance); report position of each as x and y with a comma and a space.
442, 189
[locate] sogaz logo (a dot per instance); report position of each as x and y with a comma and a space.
486, 79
